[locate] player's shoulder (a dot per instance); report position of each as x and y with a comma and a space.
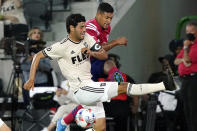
61, 44
64, 41
92, 24
89, 37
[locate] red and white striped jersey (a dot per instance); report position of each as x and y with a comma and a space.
94, 29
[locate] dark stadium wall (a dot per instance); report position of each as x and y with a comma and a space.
149, 26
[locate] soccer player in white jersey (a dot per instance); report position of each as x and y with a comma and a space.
73, 56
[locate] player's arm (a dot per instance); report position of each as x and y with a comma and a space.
35, 62
92, 31
101, 54
109, 45
96, 51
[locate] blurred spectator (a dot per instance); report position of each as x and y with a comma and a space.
175, 47
43, 74
165, 74
66, 105
122, 106
169, 119
187, 68
11, 13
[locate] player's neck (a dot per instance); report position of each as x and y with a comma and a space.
74, 39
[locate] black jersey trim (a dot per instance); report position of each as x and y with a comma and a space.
74, 41
92, 89
63, 41
45, 54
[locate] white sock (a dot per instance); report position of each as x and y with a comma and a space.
142, 89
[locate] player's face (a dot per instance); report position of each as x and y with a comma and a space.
104, 19
79, 31
36, 34
191, 29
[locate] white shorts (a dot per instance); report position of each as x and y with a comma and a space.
93, 94
96, 92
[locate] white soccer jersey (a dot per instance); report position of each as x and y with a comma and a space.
74, 65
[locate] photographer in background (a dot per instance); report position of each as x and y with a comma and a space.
43, 75
121, 106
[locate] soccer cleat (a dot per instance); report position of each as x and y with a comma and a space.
142, 89
60, 126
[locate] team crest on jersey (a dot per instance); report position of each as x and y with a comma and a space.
49, 48
85, 44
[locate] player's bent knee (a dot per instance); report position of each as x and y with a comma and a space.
100, 124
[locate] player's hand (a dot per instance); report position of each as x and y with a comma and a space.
58, 92
13, 19
187, 43
187, 59
187, 64
122, 41
85, 51
29, 85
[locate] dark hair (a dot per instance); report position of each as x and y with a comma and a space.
105, 7
174, 44
116, 59
73, 20
192, 24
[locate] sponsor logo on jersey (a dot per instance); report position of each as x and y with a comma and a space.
79, 58
49, 48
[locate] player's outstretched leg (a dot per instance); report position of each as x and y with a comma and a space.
142, 89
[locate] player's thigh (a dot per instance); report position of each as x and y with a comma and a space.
96, 92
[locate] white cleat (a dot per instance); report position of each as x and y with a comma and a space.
142, 89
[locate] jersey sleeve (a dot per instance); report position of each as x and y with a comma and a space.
54, 51
92, 30
93, 45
